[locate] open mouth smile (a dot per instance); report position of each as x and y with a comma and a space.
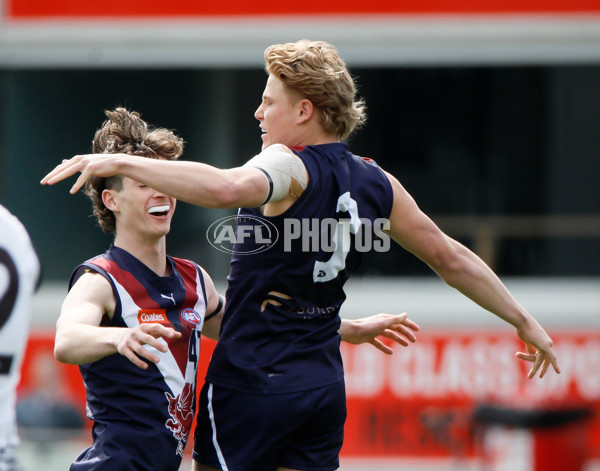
159, 211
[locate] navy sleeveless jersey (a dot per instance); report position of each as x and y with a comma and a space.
279, 330
142, 418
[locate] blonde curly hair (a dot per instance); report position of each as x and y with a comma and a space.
316, 71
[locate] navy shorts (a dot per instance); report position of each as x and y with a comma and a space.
240, 431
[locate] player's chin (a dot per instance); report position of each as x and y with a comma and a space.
163, 228
265, 142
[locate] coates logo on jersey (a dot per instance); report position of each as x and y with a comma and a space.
149, 316
243, 235
190, 316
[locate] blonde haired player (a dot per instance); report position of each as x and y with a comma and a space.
274, 398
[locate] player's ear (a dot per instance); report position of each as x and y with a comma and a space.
108, 198
305, 110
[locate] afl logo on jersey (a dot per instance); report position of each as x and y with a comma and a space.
191, 316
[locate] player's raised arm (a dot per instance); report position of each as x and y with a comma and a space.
465, 271
192, 182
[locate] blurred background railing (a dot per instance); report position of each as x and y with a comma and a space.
486, 232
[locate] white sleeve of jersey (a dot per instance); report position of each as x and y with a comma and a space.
279, 165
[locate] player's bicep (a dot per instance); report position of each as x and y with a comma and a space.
248, 187
89, 299
212, 295
413, 229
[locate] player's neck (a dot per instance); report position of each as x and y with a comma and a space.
312, 134
152, 253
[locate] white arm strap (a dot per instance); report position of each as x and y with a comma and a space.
279, 165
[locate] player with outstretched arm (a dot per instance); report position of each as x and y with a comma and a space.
274, 398
133, 316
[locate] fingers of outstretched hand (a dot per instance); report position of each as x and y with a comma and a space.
411, 325
400, 334
64, 170
399, 320
130, 354
379, 345
541, 361
132, 343
530, 357
397, 338
545, 366
159, 330
525, 356
132, 348
81, 179
552, 359
150, 334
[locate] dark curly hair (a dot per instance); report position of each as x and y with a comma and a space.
126, 132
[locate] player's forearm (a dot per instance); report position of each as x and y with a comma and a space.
81, 343
473, 278
198, 183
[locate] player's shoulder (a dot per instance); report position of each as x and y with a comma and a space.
364, 160
92, 270
188, 268
184, 262
89, 279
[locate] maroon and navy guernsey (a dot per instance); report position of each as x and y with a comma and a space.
142, 418
279, 329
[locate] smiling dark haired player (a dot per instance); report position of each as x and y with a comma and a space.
133, 316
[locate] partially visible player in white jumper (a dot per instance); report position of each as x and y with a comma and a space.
19, 278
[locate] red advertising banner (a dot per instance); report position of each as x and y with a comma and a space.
431, 399
52, 9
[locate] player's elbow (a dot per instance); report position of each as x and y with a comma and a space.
63, 349
229, 194
448, 261
61, 352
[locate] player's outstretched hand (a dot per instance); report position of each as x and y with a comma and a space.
398, 328
101, 165
539, 348
133, 340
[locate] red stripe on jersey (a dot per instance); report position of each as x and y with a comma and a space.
180, 350
136, 290
188, 272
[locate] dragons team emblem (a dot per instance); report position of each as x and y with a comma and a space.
181, 410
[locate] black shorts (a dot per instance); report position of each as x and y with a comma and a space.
240, 431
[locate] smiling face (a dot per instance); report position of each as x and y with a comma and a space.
279, 114
141, 212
